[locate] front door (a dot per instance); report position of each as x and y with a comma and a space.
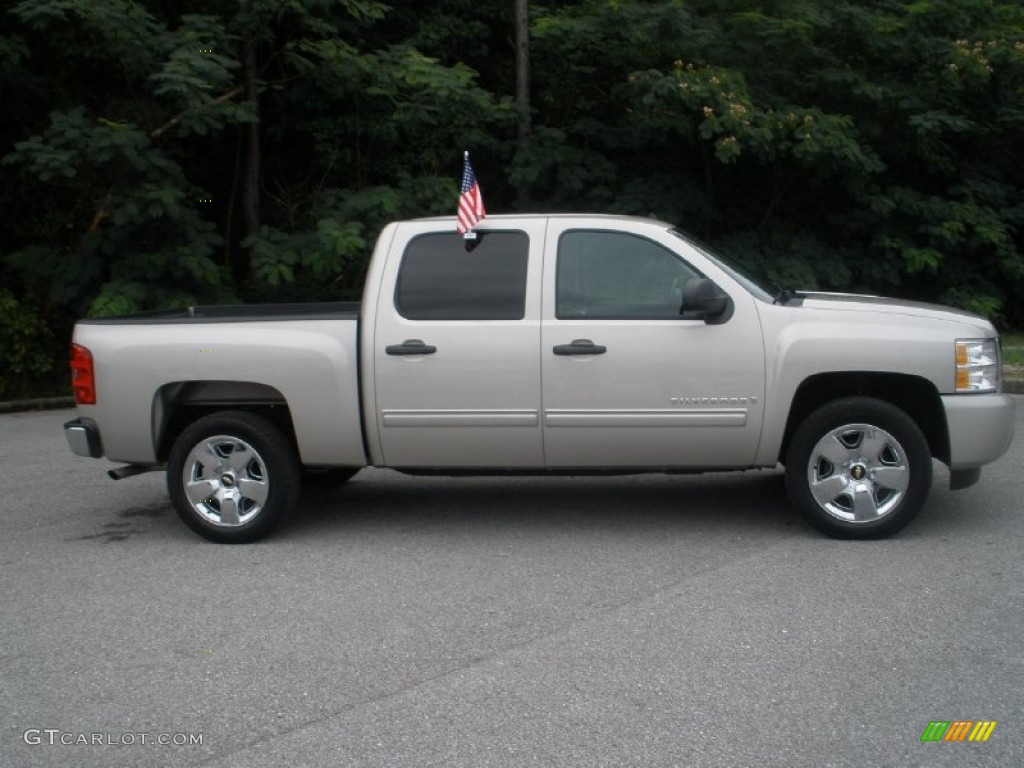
456, 370
627, 381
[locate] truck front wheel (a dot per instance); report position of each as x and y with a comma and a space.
232, 476
858, 468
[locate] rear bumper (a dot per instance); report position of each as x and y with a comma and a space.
980, 428
83, 438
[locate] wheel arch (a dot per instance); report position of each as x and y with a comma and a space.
178, 404
914, 395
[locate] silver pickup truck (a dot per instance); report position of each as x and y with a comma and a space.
572, 344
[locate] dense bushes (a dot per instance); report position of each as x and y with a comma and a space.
34, 361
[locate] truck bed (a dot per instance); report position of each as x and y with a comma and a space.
151, 365
236, 313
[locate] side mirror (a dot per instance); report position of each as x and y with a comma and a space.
703, 299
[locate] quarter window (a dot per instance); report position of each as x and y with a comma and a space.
617, 276
445, 277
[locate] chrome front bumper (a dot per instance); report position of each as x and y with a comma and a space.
83, 438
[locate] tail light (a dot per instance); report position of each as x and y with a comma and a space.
83, 380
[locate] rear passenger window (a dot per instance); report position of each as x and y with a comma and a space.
441, 280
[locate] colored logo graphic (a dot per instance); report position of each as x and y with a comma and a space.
958, 730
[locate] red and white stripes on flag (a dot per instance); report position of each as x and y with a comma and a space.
471, 202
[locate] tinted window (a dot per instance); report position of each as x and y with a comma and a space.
441, 280
611, 275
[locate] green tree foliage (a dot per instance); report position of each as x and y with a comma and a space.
874, 146
158, 154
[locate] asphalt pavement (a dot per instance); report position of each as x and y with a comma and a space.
636, 621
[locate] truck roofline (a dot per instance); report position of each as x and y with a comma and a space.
610, 217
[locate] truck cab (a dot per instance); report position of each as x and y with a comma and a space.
557, 342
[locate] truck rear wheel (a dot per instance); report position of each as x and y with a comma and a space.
858, 468
232, 476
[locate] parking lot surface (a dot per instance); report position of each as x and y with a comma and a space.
636, 621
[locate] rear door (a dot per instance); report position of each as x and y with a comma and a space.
456, 364
628, 382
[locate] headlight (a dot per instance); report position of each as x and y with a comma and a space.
978, 367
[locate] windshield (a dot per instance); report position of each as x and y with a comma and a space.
727, 266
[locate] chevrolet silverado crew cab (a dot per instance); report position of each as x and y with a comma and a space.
572, 344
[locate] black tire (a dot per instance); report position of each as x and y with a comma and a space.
858, 468
327, 477
232, 477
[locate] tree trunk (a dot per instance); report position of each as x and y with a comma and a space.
253, 155
523, 88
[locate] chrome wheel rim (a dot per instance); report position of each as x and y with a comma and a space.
225, 481
858, 473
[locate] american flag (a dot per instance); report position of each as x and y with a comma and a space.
471, 202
